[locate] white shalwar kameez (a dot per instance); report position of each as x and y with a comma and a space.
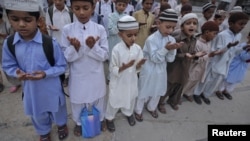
220, 63
86, 78
123, 86
153, 75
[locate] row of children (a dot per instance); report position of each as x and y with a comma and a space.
84, 45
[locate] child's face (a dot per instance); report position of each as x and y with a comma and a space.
120, 7
23, 23
166, 27
209, 13
83, 10
237, 26
219, 20
129, 36
59, 4
147, 5
189, 27
209, 35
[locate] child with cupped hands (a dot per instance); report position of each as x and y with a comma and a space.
85, 47
126, 61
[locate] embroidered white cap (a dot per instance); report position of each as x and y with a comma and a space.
189, 16
127, 23
22, 5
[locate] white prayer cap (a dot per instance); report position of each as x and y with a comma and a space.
22, 5
236, 9
221, 12
189, 16
127, 23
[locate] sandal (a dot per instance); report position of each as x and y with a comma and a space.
227, 95
161, 108
103, 126
78, 130
131, 120
154, 113
189, 98
110, 125
175, 107
138, 117
219, 95
63, 132
45, 137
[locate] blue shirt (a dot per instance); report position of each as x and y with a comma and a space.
44, 95
238, 67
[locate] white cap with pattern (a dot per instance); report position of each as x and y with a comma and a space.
127, 23
22, 5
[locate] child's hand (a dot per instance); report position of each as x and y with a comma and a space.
90, 41
171, 46
229, 45
189, 55
54, 28
200, 54
214, 53
74, 42
20, 74
36, 75
140, 63
246, 48
125, 66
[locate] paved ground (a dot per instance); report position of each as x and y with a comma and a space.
189, 123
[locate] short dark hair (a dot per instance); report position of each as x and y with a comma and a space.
145, 0
234, 17
91, 1
164, 7
217, 16
186, 7
35, 14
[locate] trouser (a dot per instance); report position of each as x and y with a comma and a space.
189, 87
43, 122
212, 85
174, 93
229, 87
77, 109
152, 103
111, 111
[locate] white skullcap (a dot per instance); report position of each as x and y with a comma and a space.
22, 5
236, 9
168, 15
127, 23
189, 16
221, 12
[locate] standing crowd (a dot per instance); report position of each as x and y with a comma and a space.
118, 55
